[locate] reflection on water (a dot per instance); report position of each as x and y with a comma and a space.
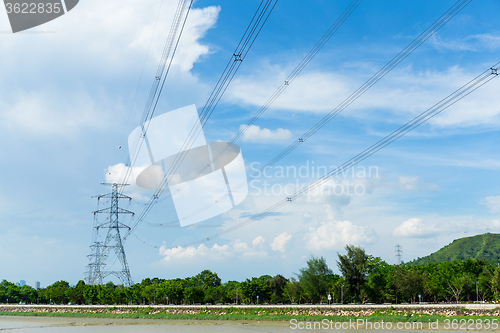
104, 325
84, 325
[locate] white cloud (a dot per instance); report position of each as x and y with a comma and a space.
492, 202
280, 242
414, 183
495, 224
256, 134
339, 191
336, 234
43, 113
415, 227
404, 93
474, 43
258, 241
409, 182
311, 92
83, 75
216, 252
199, 22
120, 173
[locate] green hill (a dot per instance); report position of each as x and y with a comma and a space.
485, 247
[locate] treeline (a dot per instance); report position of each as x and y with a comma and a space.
364, 279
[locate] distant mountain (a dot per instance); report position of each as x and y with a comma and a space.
485, 247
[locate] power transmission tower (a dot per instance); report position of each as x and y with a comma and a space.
101, 250
399, 253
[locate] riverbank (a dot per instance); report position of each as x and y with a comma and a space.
337, 313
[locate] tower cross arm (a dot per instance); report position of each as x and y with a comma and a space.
109, 210
113, 195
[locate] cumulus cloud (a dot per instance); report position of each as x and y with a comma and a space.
492, 202
258, 241
190, 49
280, 242
256, 134
415, 227
119, 173
216, 252
495, 224
335, 234
191, 251
69, 91
40, 112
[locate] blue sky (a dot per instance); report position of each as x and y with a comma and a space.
73, 89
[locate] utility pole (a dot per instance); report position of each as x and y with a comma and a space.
399, 253
112, 244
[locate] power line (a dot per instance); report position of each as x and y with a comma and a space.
439, 107
290, 78
409, 49
140, 77
169, 50
247, 40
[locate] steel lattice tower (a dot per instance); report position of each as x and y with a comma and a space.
399, 253
101, 250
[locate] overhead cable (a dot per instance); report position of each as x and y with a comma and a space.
388, 67
290, 78
169, 50
425, 116
247, 40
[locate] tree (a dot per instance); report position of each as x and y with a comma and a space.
174, 290
10, 291
409, 283
354, 267
495, 284
457, 284
231, 292
207, 279
250, 289
380, 282
293, 290
277, 284
75, 294
58, 292
315, 278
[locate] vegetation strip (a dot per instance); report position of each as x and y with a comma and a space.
241, 316
264, 313
364, 279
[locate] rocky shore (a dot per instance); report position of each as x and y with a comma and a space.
448, 310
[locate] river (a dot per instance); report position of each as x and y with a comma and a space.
19, 324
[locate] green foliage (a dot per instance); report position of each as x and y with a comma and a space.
277, 285
316, 279
250, 289
484, 247
355, 266
365, 279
